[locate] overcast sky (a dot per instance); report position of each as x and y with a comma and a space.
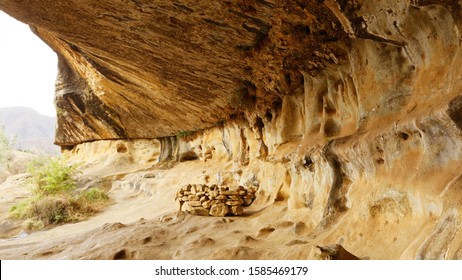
28, 68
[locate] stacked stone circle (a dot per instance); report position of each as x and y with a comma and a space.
214, 200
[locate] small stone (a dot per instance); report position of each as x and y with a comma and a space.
223, 188
184, 198
212, 202
219, 210
200, 193
195, 203
199, 211
194, 198
242, 192
207, 204
193, 189
229, 192
237, 210
213, 193
234, 197
247, 202
234, 202
203, 198
187, 193
221, 196
186, 188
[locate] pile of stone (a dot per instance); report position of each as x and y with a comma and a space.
214, 200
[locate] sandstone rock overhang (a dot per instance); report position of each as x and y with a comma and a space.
144, 69
147, 69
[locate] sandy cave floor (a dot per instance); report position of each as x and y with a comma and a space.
145, 224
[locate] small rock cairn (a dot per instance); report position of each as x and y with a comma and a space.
218, 201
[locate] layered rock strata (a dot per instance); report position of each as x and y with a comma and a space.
175, 65
142, 69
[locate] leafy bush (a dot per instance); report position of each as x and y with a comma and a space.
55, 199
52, 176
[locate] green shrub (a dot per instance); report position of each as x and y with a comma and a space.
21, 210
94, 195
54, 199
52, 176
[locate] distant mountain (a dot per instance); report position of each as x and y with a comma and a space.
33, 131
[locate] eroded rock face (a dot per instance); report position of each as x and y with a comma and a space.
142, 70
390, 193
174, 65
348, 113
